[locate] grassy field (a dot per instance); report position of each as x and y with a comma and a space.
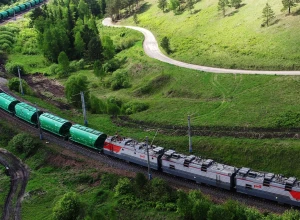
234, 41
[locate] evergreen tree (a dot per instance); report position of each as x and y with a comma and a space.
108, 48
63, 62
174, 4
135, 18
235, 3
268, 14
222, 6
79, 45
288, 4
98, 69
162, 4
94, 49
165, 44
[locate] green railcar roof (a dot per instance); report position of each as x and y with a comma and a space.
88, 130
7, 97
55, 118
27, 107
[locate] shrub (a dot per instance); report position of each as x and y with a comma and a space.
14, 85
124, 187
133, 107
109, 181
68, 207
24, 143
12, 68
3, 56
53, 69
119, 80
114, 64
97, 106
289, 119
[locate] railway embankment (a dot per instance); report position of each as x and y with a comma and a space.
19, 175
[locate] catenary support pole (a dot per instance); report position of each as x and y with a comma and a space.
83, 108
148, 159
21, 87
38, 122
190, 138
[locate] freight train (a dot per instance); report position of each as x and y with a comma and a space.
206, 171
11, 12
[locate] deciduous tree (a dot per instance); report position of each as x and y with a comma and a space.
162, 4
222, 4
74, 85
288, 4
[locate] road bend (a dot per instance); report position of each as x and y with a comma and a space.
19, 175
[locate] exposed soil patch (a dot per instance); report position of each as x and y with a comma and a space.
47, 89
78, 162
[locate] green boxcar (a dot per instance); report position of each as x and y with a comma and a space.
16, 9
10, 12
22, 7
3, 14
28, 5
54, 124
87, 137
8, 102
27, 113
32, 3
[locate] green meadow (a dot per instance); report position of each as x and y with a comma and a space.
235, 41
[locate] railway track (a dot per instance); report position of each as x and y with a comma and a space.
217, 195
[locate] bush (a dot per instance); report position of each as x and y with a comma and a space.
114, 64
289, 119
119, 80
53, 69
124, 187
109, 181
24, 144
68, 207
14, 85
97, 106
12, 68
3, 56
134, 107
76, 65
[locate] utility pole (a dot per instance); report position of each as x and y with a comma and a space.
21, 87
148, 159
83, 108
38, 121
190, 138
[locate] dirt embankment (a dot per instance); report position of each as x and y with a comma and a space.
19, 175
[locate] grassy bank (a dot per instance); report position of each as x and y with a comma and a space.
234, 41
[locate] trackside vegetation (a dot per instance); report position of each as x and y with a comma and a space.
64, 186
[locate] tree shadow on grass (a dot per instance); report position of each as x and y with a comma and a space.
232, 13
296, 13
196, 11
145, 7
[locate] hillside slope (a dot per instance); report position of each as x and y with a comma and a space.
234, 41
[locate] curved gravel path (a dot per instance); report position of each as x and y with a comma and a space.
152, 50
19, 175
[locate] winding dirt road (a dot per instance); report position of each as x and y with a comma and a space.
152, 50
19, 175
